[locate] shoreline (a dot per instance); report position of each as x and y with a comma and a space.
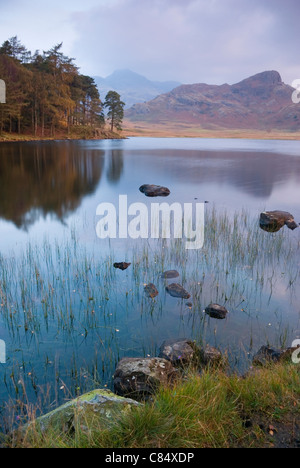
24, 138
159, 132
164, 130
207, 410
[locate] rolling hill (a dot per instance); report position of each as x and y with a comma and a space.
262, 102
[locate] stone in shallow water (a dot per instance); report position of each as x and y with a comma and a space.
170, 274
154, 190
216, 311
122, 265
139, 378
178, 352
267, 355
176, 290
273, 221
210, 356
151, 290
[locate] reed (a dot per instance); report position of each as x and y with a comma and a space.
65, 308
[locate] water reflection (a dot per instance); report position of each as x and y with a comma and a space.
45, 178
116, 165
67, 316
53, 178
251, 172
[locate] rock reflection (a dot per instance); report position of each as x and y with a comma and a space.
43, 179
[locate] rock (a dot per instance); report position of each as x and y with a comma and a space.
122, 265
150, 290
273, 221
287, 354
176, 290
139, 378
216, 311
210, 356
185, 352
154, 191
82, 411
265, 356
178, 352
170, 274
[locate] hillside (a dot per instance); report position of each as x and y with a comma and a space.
262, 102
132, 87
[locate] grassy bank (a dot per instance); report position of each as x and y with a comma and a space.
80, 133
212, 410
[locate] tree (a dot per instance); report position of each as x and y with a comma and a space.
88, 105
16, 50
18, 88
115, 109
45, 92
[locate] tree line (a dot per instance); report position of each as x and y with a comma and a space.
46, 95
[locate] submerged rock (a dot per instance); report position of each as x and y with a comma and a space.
122, 265
139, 378
150, 290
170, 274
178, 352
273, 221
176, 290
216, 311
154, 190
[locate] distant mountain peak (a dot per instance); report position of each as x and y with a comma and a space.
265, 78
133, 87
124, 72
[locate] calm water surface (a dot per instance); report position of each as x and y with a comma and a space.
67, 316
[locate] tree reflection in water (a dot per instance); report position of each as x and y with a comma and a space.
43, 179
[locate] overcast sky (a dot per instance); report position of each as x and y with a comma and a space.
191, 41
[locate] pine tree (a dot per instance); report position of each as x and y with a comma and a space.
115, 109
45, 92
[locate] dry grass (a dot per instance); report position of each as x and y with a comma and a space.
176, 129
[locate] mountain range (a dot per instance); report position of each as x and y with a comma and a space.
261, 102
132, 87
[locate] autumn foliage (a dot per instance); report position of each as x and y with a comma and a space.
45, 93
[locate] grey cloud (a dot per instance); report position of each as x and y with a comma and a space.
191, 40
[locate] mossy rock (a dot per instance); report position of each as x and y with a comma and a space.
98, 406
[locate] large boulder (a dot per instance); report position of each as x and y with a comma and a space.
141, 377
82, 411
273, 221
154, 190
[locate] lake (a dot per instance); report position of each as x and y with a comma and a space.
67, 315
